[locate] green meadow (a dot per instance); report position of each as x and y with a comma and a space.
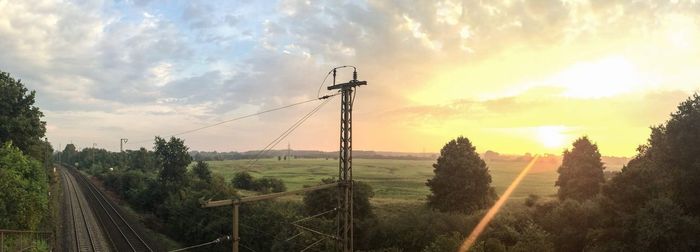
393, 180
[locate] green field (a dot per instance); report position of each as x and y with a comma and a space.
392, 180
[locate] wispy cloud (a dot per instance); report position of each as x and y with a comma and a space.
148, 67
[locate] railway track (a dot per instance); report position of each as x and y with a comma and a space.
122, 235
85, 233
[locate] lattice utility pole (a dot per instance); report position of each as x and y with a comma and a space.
344, 235
345, 216
122, 141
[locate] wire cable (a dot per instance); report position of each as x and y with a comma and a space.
246, 247
284, 134
314, 216
329, 74
314, 244
243, 117
217, 240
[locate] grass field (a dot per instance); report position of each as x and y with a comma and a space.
392, 180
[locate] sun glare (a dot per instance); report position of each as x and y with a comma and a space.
551, 136
602, 78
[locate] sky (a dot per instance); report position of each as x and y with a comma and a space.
512, 76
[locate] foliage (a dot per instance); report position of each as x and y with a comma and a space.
320, 201
267, 184
242, 180
445, 242
533, 238
569, 222
652, 204
581, 171
462, 180
662, 225
173, 159
672, 155
201, 170
531, 200
23, 189
69, 154
142, 160
415, 228
21, 120
184, 218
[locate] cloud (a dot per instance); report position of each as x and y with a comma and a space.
425, 61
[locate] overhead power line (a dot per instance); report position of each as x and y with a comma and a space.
242, 117
217, 240
286, 133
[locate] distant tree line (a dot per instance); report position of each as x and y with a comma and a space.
219, 156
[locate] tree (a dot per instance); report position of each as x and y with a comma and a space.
445, 242
201, 170
570, 223
674, 151
21, 120
69, 154
269, 185
242, 180
141, 160
23, 189
320, 201
462, 182
662, 225
173, 159
581, 171
533, 238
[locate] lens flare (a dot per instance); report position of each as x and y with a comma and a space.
471, 239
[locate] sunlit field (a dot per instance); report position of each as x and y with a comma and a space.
401, 180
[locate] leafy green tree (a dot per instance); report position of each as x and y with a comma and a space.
663, 226
69, 154
21, 120
202, 171
320, 201
462, 182
142, 160
242, 180
653, 202
173, 159
23, 190
570, 223
674, 152
267, 184
581, 171
533, 238
446, 242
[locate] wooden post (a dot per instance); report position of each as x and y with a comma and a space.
2, 241
236, 202
234, 234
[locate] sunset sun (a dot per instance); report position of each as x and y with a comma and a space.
551, 136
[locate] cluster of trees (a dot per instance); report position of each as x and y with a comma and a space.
24, 159
651, 205
164, 186
160, 184
243, 180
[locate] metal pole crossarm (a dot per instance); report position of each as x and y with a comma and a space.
351, 84
218, 203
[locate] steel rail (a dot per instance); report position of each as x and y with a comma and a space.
122, 225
